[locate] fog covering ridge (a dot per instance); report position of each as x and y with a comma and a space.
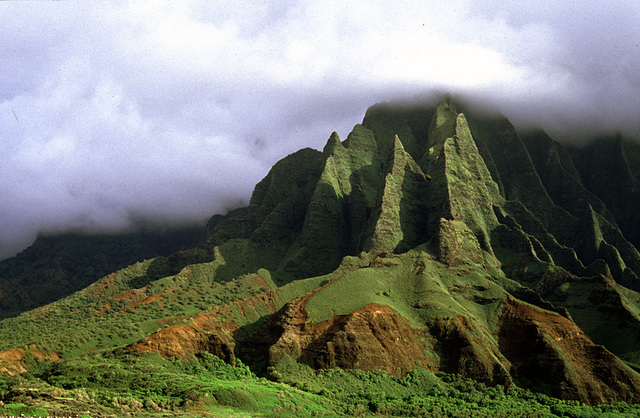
169, 113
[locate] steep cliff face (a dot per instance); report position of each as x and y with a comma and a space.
398, 221
610, 169
552, 351
462, 187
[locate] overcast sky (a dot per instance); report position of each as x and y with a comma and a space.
111, 113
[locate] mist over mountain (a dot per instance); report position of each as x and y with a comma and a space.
110, 112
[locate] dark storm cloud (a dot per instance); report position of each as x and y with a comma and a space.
172, 111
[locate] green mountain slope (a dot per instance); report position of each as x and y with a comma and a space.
430, 242
610, 169
58, 265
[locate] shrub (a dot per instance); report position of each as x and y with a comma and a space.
236, 397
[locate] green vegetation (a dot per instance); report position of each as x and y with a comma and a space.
117, 383
110, 314
474, 265
55, 266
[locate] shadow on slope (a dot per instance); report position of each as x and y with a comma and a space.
59, 265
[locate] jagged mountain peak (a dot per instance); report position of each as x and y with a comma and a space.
332, 143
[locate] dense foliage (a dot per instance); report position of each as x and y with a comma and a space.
114, 383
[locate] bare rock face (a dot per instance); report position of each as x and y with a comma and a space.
456, 244
207, 331
463, 350
284, 333
371, 338
374, 337
13, 362
528, 346
551, 350
187, 340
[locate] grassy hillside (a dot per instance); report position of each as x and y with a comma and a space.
55, 266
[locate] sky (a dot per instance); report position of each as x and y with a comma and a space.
117, 113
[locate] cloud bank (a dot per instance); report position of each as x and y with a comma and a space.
111, 113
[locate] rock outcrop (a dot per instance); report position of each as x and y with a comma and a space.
506, 342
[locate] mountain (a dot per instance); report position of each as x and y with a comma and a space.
57, 265
432, 250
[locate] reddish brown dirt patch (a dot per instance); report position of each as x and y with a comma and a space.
105, 308
104, 285
135, 297
549, 349
261, 282
185, 341
154, 298
205, 331
132, 295
12, 361
372, 338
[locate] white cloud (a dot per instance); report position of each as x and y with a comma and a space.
174, 110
